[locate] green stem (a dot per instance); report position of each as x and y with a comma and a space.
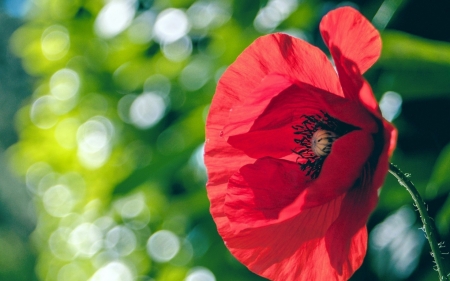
428, 225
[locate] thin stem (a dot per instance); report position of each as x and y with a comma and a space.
428, 225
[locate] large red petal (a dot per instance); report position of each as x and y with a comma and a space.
355, 46
278, 53
296, 249
346, 31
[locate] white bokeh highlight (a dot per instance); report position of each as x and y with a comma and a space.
171, 24
395, 245
58, 200
86, 239
114, 18
94, 142
163, 245
270, 16
391, 105
64, 84
208, 15
121, 240
200, 274
146, 110
113, 271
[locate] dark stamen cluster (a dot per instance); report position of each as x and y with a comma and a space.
306, 130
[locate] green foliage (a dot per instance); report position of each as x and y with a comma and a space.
413, 65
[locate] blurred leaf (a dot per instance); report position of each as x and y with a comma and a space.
440, 179
443, 218
413, 66
403, 51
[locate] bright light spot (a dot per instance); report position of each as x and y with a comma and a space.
121, 239
146, 110
269, 17
140, 31
195, 75
113, 271
114, 18
178, 50
395, 244
171, 24
72, 272
57, 243
65, 133
163, 245
64, 84
200, 274
86, 239
55, 42
58, 200
94, 138
42, 114
390, 105
157, 83
208, 14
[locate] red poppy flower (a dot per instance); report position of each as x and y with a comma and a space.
296, 152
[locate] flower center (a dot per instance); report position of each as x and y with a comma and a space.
321, 142
316, 135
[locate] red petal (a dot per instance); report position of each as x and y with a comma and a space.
258, 193
357, 205
354, 44
296, 249
271, 133
281, 54
390, 140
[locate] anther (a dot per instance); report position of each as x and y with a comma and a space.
321, 142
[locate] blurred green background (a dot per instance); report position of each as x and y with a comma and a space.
102, 112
